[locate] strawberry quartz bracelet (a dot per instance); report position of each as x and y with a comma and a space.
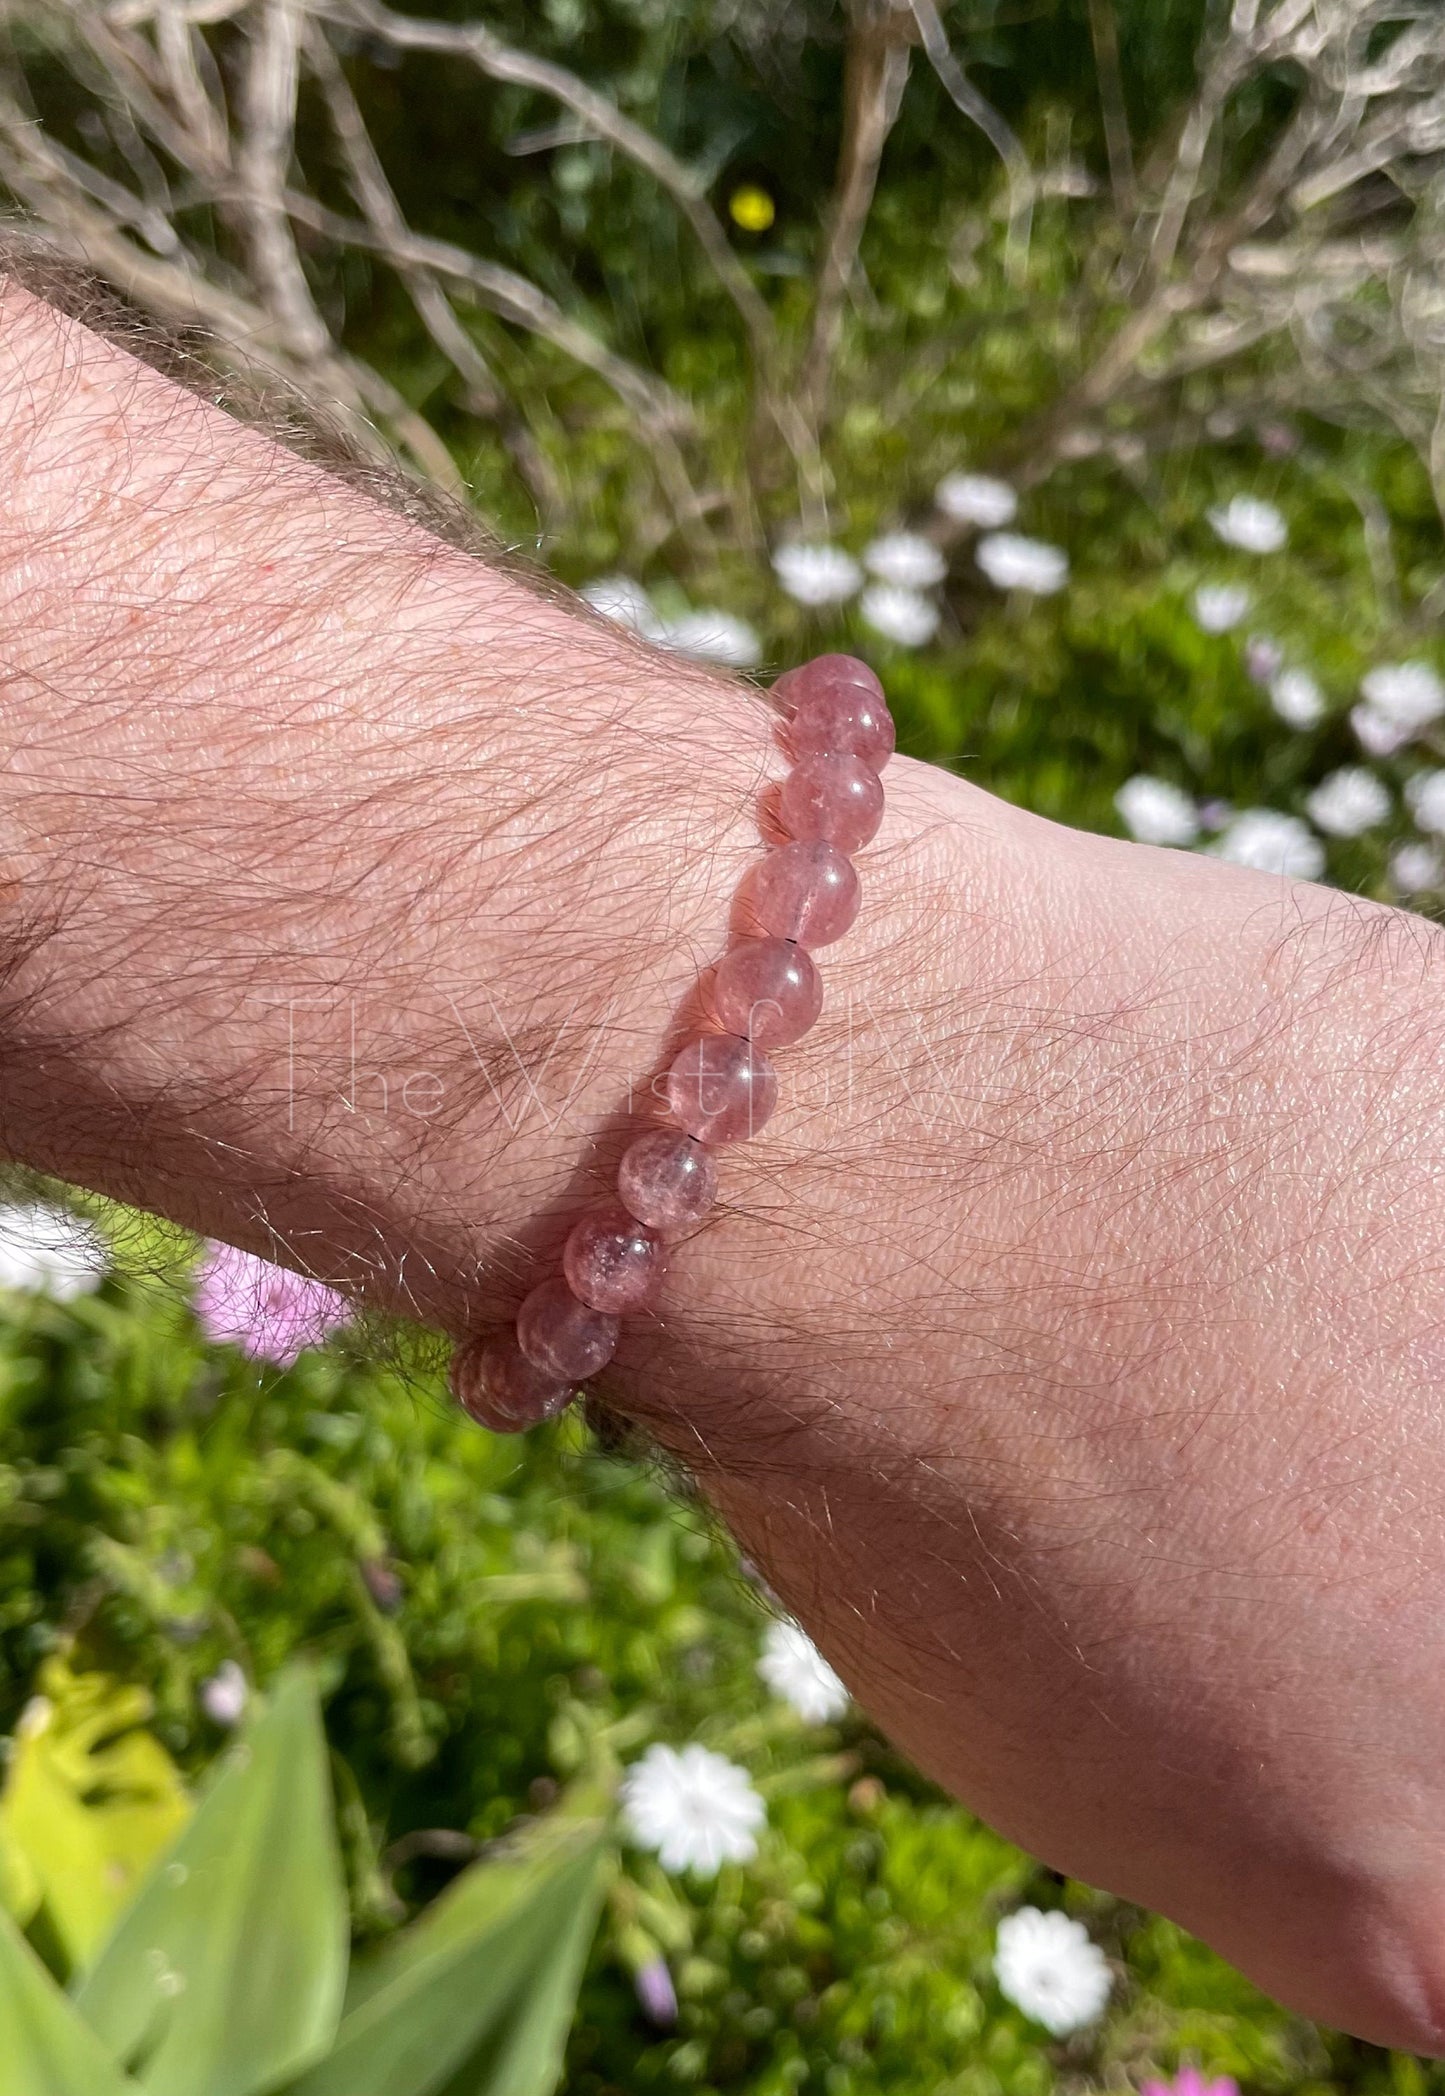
765, 993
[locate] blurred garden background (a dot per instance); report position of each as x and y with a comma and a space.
1081, 364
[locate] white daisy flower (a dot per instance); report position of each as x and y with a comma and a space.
1425, 797
900, 615
225, 1695
907, 559
977, 498
796, 1672
714, 636
1416, 867
1218, 606
626, 603
1400, 699
1272, 842
1156, 812
1048, 1966
1376, 733
1349, 802
48, 1251
1014, 563
695, 1810
1297, 698
816, 573
1253, 525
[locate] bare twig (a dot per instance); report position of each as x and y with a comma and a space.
980, 111
245, 188
1211, 282
513, 298
193, 79
604, 120
1104, 31
179, 291
267, 125
1311, 277
875, 74
485, 396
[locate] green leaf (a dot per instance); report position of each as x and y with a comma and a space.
226, 1974
90, 1801
477, 1997
45, 2048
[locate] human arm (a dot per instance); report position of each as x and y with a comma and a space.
1066, 1348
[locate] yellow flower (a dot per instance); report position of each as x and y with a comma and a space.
752, 208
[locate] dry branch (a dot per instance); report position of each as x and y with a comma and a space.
874, 77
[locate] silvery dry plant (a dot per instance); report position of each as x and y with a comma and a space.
224, 169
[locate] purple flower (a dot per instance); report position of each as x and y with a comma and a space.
1263, 658
225, 1696
383, 1583
1190, 2082
656, 1994
267, 1311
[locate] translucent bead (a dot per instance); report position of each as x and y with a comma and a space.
837, 708
808, 892
562, 1337
824, 673
721, 1089
832, 799
768, 991
495, 1384
667, 1180
614, 1263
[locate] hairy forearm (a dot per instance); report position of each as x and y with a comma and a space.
351, 881
1075, 1316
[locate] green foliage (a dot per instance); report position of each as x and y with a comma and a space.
47, 2051
490, 1620
225, 1975
226, 1971
477, 1996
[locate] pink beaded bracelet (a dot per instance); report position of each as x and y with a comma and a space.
721, 1087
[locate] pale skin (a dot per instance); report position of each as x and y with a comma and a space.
1067, 1349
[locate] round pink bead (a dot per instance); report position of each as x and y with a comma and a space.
808, 892
832, 799
824, 672
667, 1180
562, 1337
838, 709
495, 1384
768, 991
848, 722
614, 1263
721, 1089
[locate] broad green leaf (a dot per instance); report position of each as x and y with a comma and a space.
226, 1974
524, 2055
45, 2048
90, 1801
477, 1997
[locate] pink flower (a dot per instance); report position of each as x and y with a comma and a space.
656, 1994
1190, 2082
267, 1311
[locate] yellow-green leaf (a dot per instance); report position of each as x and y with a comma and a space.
90, 1800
